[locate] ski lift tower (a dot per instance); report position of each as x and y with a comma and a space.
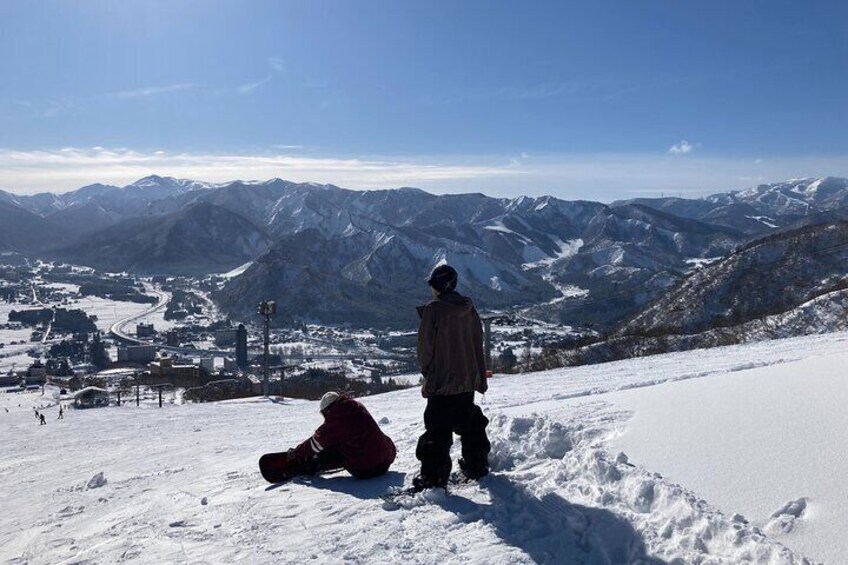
267, 308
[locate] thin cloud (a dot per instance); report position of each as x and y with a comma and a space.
599, 177
518, 93
151, 91
251, 87
75, 105
68, 168
682, 148
277, 64
56, 108
277, 67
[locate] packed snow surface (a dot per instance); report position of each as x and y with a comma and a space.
180, 484
768, 443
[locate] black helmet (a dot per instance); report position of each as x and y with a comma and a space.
443, 278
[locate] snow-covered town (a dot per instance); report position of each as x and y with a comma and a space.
146, 333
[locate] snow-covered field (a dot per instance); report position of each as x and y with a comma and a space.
753, 442
180, 484
108, 311
13, 356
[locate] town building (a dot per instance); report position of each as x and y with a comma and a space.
172, 338
136, 354
144, 330
230, 366
168, 368
36, 374
241, 346
226, 338
10, 379
207, 364
91, 397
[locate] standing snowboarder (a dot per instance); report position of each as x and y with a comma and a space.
61, 413
450, 356
43, 421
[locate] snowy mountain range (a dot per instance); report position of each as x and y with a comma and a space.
337, 255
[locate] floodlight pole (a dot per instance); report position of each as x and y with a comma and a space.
267, 352
266, 309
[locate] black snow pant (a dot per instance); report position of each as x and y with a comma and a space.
443, 417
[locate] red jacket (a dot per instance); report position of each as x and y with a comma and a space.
350, 429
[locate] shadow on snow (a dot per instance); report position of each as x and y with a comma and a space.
364, 489
548, 529
551, 529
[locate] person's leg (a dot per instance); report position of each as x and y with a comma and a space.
434, 445
475, 443
328, 460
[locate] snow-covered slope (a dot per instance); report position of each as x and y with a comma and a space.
180, 484
768, 443
196, 240
769, 276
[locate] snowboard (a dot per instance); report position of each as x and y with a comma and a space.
279, 467
455, 480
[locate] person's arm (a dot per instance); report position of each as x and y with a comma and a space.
477, 334
329, 434
426, 340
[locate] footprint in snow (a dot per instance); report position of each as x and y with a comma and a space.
785, 519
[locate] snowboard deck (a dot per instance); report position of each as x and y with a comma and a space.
279, 467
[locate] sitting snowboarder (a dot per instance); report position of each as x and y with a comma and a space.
348, 439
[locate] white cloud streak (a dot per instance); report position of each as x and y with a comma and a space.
152, 91
277, 67
69, 168
250, 87
602, 177
682, 148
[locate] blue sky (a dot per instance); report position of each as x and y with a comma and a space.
594, 99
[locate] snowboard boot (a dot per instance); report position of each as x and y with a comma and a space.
436, 480
421, 483
473, 472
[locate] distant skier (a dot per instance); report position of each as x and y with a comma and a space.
450, 356
61, 413
348, 439
43, 421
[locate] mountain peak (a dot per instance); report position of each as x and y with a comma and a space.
154, 180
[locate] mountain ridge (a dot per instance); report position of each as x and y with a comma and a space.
531, 252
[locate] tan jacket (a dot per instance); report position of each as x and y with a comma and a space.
450, 347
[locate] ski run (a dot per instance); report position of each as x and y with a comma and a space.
600, 464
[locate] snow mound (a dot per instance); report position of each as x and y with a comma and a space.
556, 482
519, 439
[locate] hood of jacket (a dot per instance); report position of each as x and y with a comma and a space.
453, 303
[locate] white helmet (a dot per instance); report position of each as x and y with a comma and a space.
328, 399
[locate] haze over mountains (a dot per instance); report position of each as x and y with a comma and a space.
348, 256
